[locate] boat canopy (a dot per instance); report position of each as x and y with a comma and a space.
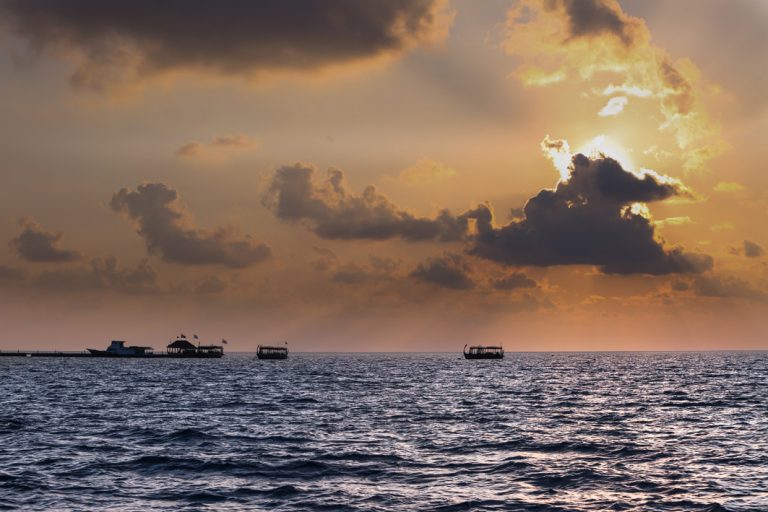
481, 349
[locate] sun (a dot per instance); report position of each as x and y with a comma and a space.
603, 144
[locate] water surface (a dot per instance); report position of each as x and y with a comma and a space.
368, 432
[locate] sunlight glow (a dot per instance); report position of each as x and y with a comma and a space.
602, 144
560, 153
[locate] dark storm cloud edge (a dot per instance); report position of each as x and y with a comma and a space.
590, 17
586, 220
227, 36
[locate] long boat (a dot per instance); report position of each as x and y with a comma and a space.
483, 352
271, 352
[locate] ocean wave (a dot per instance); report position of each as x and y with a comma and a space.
537, 432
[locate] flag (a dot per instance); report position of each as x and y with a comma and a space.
195, 336
224, 341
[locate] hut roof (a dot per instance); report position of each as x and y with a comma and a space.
181, 344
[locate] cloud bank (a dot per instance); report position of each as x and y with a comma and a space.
163, 223
128, 40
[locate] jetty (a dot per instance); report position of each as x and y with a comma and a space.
179, 348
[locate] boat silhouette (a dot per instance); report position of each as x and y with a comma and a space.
483, 352
272, 352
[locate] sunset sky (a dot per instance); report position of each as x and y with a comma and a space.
390, 175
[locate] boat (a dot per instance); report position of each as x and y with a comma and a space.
484, 352
271, 352
118, 349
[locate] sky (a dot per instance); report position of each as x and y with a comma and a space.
384, 176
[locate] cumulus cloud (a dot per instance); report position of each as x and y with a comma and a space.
595, 217
589, 40
752, 249
36, 244
514, 281
447, 271
220, 142
331, 210
164, 225
127, 41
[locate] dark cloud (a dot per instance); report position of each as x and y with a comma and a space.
680, 286
38, 245
593, 17
163, 225
727, 287
589, 220
514, 281
101, 274
448, 271
126, 40
332, 211
590, 17
752, 249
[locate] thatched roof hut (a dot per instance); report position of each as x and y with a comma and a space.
180, 345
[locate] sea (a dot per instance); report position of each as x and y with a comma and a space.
387, 431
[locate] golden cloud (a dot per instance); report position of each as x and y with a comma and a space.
595, 41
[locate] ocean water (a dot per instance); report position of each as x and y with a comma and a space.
369, 432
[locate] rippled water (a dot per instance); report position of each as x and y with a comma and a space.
540, 432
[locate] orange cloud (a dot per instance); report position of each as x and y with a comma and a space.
594, 40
